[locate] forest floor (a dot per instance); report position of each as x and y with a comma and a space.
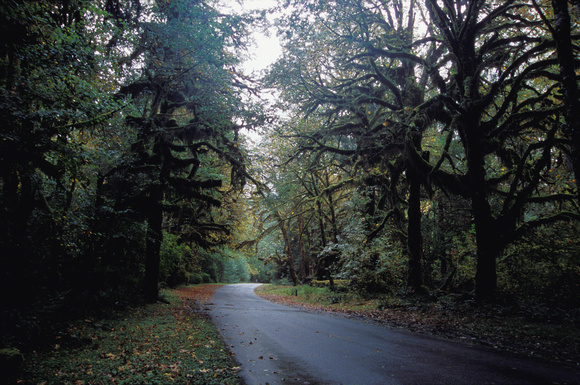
525, 329
159, 343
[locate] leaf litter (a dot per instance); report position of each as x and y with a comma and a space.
171, 343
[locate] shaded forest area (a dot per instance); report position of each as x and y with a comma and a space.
120, 153
414, 148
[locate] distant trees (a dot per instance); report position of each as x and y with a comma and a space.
354, 66
303, 200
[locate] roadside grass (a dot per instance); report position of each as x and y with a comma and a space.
160, 343
517, 329
317, 296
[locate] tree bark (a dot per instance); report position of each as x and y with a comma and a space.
416, 279
152, 253
303, 255
414, 236
320, 215
567, 62
332, 212
486, 234
154, 215
487, 249
289, 255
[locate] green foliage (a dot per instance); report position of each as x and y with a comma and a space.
116, 119
177, 262
450, 245
338, 283
416, 127
378, 267
235, 270
211, 267
371, 266
257, 269
316, 295
180, 264
545, 266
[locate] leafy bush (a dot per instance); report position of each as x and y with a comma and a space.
326, 283
284, 281
177, 262
182, 264
377, 268
544, 266
371, 267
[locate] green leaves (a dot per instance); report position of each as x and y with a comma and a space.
470, 107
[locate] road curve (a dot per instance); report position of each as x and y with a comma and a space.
275, 344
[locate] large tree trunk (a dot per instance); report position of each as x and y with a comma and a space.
567, 60
416, 279
289, 255
154, 215
414, 236
320, 216
331, 209
152, 253
486, 234
487, 248
303, 255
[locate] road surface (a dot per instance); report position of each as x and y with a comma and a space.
276, 344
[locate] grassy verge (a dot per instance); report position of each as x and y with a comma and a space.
513, 328
160, 343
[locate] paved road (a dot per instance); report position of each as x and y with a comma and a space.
275, 344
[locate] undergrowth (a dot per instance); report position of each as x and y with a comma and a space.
156, 344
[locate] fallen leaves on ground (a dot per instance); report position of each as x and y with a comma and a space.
157, 343
201, 294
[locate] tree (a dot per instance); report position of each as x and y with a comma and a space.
500, 102
119, 120
52, 92
481, 78
561, 31
356, 64
189, 100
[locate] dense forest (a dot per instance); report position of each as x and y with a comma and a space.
414, 146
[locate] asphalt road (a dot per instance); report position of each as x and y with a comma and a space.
275, 344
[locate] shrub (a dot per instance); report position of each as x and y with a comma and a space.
177, 262
544, 266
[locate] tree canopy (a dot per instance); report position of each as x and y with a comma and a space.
421, 97
417, 145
